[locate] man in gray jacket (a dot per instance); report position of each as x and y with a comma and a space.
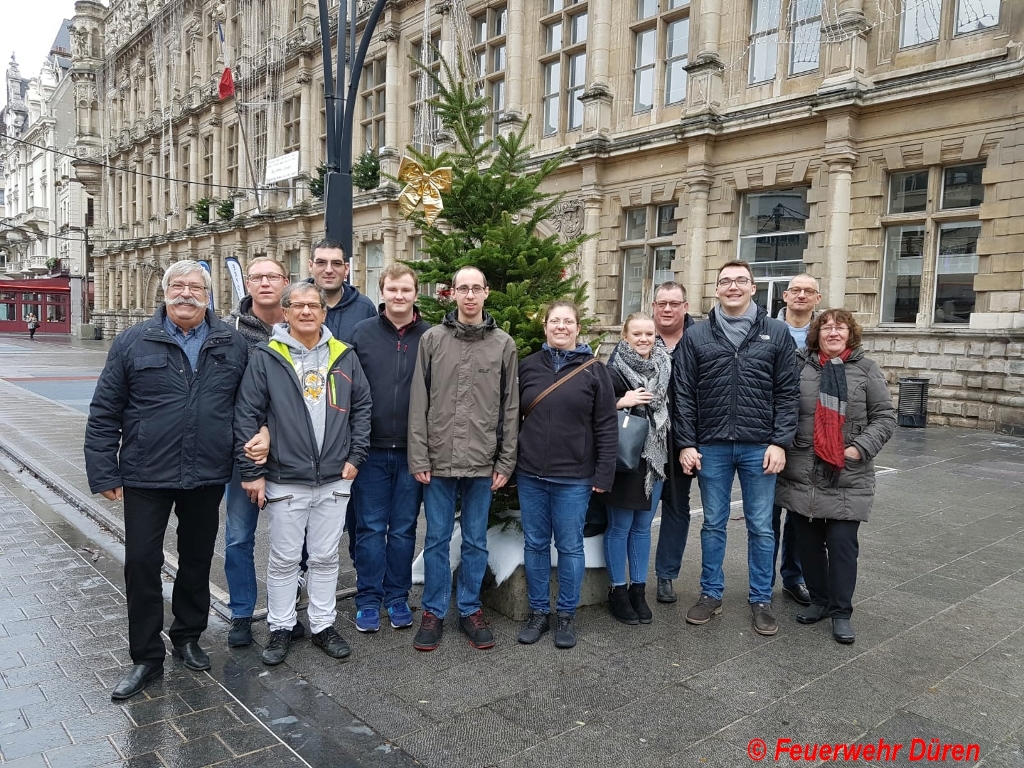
463, 427
310, 391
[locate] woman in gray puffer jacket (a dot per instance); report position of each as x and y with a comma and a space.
846, 416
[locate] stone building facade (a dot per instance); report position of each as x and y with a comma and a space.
878, 145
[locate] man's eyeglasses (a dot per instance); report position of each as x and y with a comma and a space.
324, 263
739, 282
272, 279
312, 306
803, 291
180, 288
830, 328
669, 304
464, 290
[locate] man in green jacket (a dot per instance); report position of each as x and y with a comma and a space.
463, 427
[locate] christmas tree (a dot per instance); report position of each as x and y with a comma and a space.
491, 218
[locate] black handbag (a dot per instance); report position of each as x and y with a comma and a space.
632, 435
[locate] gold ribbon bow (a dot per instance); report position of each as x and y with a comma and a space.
420, 185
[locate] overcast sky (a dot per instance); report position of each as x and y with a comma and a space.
27, 30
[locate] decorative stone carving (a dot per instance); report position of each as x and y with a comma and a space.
567, 218
389, 34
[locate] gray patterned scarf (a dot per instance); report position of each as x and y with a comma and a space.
655, 375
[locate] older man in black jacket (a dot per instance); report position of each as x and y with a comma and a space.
736, 395
159, 437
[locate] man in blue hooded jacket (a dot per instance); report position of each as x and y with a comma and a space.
346, 306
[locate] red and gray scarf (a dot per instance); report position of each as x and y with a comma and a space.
830, 415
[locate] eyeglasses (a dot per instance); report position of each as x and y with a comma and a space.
463, 290
739, 282
272, 279
180, 288
802, 291
311, 306
568, 322
829, 328
669, 304
324, 263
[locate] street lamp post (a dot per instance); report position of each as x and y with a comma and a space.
340, 114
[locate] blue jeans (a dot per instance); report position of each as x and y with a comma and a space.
720, 463
675, 524
239, 540
439, 509
629, 536
560, 510
785, 539
387, 502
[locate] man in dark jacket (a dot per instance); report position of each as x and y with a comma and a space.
310, 391
385, 496
158, 437
736, 396
346, 306
671, 320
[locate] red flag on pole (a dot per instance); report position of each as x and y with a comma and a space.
227, 84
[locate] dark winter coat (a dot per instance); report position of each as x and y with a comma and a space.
254, 330
151, 424
628, 488
745, 395
572, 433
388, 357
271, 394
870, 422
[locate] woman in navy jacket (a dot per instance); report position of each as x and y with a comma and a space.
567, 445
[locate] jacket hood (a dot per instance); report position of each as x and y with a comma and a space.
566, 355
349, 295
469, 332
281, 335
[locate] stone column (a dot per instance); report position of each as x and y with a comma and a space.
592, 203
837, 239
140, 286
112, 274
705, 68
306, 123
597, 98
125, 287
515, 53
697, 241
390, 152
390, 243
304, 258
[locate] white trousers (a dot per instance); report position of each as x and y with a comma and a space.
316, 515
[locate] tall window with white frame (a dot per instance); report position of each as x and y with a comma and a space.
373, 95
789, 27
773, 239
924, 21
931, 250
206, 143
231, 153
563, 65
489, 55
647, 254
291, 110
424, 131
374, 265
661, 36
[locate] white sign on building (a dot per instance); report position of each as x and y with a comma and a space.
282, 168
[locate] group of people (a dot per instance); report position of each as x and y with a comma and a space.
326, 413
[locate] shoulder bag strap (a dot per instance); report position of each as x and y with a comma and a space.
556, 385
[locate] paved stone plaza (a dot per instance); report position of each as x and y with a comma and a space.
939, 613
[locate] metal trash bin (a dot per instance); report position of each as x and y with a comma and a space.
913, 407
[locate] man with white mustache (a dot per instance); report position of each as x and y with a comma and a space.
159, 436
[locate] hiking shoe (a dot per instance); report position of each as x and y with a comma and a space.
565, 631
299, 630
665, 592
476, 628
400, 615
535, 626
330, 642
764, 619
703, 610
368, 620
240, 633
428, 637
277, 648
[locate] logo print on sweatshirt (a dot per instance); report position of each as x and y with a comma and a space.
313, 385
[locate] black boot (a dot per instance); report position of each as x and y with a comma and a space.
639, 603
618, 603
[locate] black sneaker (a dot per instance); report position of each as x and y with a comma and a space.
565, 631
277, 649
428, 637
764, 619
330, 642
240, 634
536, 625
702, 611
299, 630
476, 628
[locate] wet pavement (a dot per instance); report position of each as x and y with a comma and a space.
939, 614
